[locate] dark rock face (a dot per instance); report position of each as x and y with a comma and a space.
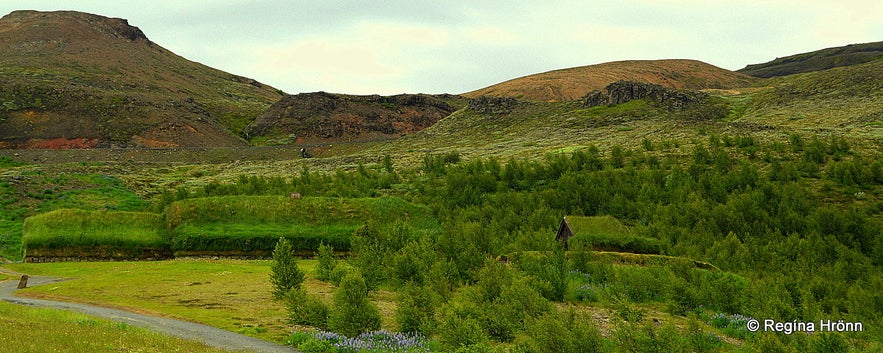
323, 116
492, 105
625, 91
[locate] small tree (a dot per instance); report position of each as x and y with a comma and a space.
416, 309
327, 262
352, 313
285, 274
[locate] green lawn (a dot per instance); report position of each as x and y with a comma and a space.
31, 330
233, 295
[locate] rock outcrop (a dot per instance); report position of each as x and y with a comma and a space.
327, 117
624, 91
492, 105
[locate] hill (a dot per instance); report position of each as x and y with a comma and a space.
72, 80
326, 117
573, 83
844, 101
824, 59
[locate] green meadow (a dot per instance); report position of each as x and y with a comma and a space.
32, 330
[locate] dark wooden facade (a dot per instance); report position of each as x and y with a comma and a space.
564, 232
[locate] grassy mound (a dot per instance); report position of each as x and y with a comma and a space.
101, 234
251, 225
608, 234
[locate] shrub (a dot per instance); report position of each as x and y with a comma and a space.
551, 269
371, 256
416, 310
352, 313
307, 309
457, 327
646, 337
285, 274
327, 262
554, 332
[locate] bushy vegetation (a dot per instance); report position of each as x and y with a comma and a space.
352, 314
743, 228
253, 224
788, 230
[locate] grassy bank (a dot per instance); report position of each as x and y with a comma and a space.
30, 330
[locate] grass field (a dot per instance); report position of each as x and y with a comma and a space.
31, 330
232, 295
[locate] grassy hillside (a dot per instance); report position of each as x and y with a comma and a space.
573, 83
26, 191
844, 100
75, 80
819, 60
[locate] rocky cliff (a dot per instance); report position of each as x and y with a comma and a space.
327, 117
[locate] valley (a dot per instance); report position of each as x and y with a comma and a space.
701, 199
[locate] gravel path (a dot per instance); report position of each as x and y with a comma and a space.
211, 336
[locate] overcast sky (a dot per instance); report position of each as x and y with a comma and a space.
390, 47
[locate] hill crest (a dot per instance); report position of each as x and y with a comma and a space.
574, 83
824, 59
72, 80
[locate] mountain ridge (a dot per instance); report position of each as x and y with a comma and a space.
818, 60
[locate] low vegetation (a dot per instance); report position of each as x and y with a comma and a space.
31, 330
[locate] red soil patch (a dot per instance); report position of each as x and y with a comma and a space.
150, 143
63, 143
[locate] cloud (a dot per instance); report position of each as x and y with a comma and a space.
367, 57
456, 46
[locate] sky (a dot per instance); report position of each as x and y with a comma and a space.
453, 46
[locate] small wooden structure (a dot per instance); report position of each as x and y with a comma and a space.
564, 232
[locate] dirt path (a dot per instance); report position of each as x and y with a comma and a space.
211, 336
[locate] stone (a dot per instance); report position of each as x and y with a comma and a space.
23, 282
625, 91
492, 105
